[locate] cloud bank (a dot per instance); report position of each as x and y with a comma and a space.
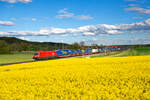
89, 30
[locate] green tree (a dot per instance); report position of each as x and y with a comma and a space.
14, 47
74, 46
4, 47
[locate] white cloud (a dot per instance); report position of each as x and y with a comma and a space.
41, 41
53, 30
89, 33
63, 13
85, 17
63, 10
15, 1
23, 38
33, 19
6, 23
138, 10
132, 5
44, 31
18, 33
109, 27
113, 32
89, 28
30, 19
137, 17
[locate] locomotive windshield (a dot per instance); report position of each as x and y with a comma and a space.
36, 53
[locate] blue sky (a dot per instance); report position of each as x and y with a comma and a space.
107, 22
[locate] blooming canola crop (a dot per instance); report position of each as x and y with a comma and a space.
114, 78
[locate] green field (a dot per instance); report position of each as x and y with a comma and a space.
16, 57
132, 52
137, 52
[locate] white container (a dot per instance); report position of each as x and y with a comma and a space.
94, 50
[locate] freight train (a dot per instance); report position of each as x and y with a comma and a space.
39, 55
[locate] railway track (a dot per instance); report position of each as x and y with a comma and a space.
83, 56
17, 63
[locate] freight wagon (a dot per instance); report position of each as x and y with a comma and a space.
94, 51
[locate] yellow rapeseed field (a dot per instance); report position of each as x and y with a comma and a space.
118, 78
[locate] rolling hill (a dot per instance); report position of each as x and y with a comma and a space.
23, 45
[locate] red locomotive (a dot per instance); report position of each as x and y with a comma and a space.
44, 54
